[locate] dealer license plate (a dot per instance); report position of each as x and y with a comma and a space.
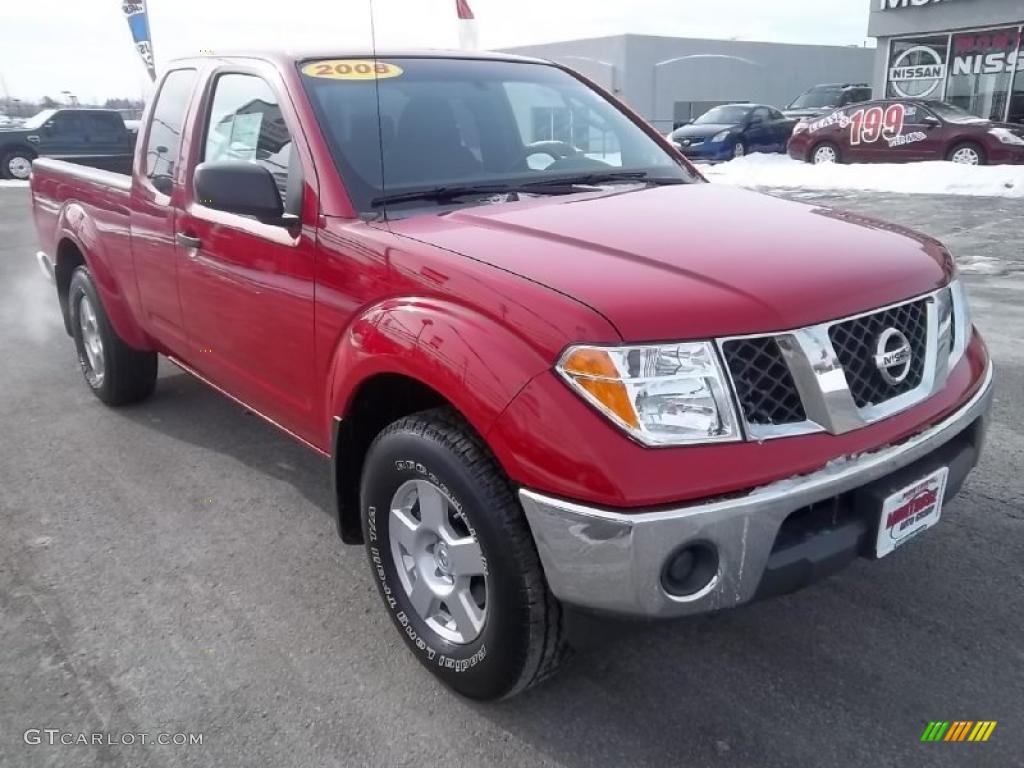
908, 512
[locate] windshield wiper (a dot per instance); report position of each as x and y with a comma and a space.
560, 185
596, 179
448, 194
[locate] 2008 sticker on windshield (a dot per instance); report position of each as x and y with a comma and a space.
352, 69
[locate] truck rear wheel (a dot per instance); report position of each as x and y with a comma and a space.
116, 373
454, 559
16, 164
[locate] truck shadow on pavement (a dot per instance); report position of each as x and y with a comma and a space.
187, 410
848, 672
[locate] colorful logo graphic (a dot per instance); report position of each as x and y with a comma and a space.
958, 730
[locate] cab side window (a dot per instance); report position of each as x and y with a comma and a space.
101, 126
66, 125
246, 123
760, 115
166, 124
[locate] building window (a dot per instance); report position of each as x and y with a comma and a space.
1017, 95
981, 68
917, 68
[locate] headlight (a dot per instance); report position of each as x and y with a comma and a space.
666, 394
963, 325
1006, 136
721, 136
800, 127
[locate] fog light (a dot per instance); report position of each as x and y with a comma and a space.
690, 570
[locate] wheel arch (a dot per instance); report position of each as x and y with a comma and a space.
410, 356
965, 140
18, 146
79, 243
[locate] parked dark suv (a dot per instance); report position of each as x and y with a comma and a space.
95, 137
819, 100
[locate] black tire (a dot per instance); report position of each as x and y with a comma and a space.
982, 160
8, 157
522, 639
128, 375
820, 145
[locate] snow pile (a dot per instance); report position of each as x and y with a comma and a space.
933, 178
9, 183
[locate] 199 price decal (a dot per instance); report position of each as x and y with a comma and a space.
869, 125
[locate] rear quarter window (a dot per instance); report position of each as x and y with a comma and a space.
164, 142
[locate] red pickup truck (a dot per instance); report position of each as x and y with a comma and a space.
549, 364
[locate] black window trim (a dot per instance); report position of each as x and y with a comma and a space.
143, 175
210, 93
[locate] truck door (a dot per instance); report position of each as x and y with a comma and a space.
247, 287
758, 133
158, 177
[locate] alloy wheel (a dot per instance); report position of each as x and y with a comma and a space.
966, 156
91, 341
439, 561
19, 167
824, 155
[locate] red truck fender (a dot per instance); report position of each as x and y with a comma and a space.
433, 348
78, 240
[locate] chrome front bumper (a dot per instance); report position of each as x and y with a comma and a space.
613, 562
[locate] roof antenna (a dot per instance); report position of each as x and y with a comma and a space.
380, 126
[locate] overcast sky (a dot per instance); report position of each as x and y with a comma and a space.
83, 46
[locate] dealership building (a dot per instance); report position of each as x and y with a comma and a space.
669, 80
967, 52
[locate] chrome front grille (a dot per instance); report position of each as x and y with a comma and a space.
764, 385
826, 377
855, 340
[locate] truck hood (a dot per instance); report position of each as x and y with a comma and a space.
694, 261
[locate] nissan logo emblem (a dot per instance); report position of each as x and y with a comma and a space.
893, 356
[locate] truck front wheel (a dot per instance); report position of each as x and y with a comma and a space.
454, 560
116, 373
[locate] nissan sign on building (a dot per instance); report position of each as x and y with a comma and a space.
967, 52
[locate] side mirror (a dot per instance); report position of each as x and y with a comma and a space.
48, 126
931, 121
236, 186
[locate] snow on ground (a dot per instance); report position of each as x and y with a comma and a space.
933, 178
9, 183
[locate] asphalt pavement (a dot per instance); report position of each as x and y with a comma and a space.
173, 568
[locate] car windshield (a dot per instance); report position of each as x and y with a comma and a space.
36, 121
952, 113
729, 115
448, 127
818, 98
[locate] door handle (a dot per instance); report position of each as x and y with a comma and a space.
188, 241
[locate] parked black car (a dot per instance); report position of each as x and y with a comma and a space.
733, 130
95, 137
821, 99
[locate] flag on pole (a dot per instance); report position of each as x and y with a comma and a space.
138, 23
468, 39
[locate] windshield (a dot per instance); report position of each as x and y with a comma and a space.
457, 123
952, 113
723, 116
36, 121
818, 98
